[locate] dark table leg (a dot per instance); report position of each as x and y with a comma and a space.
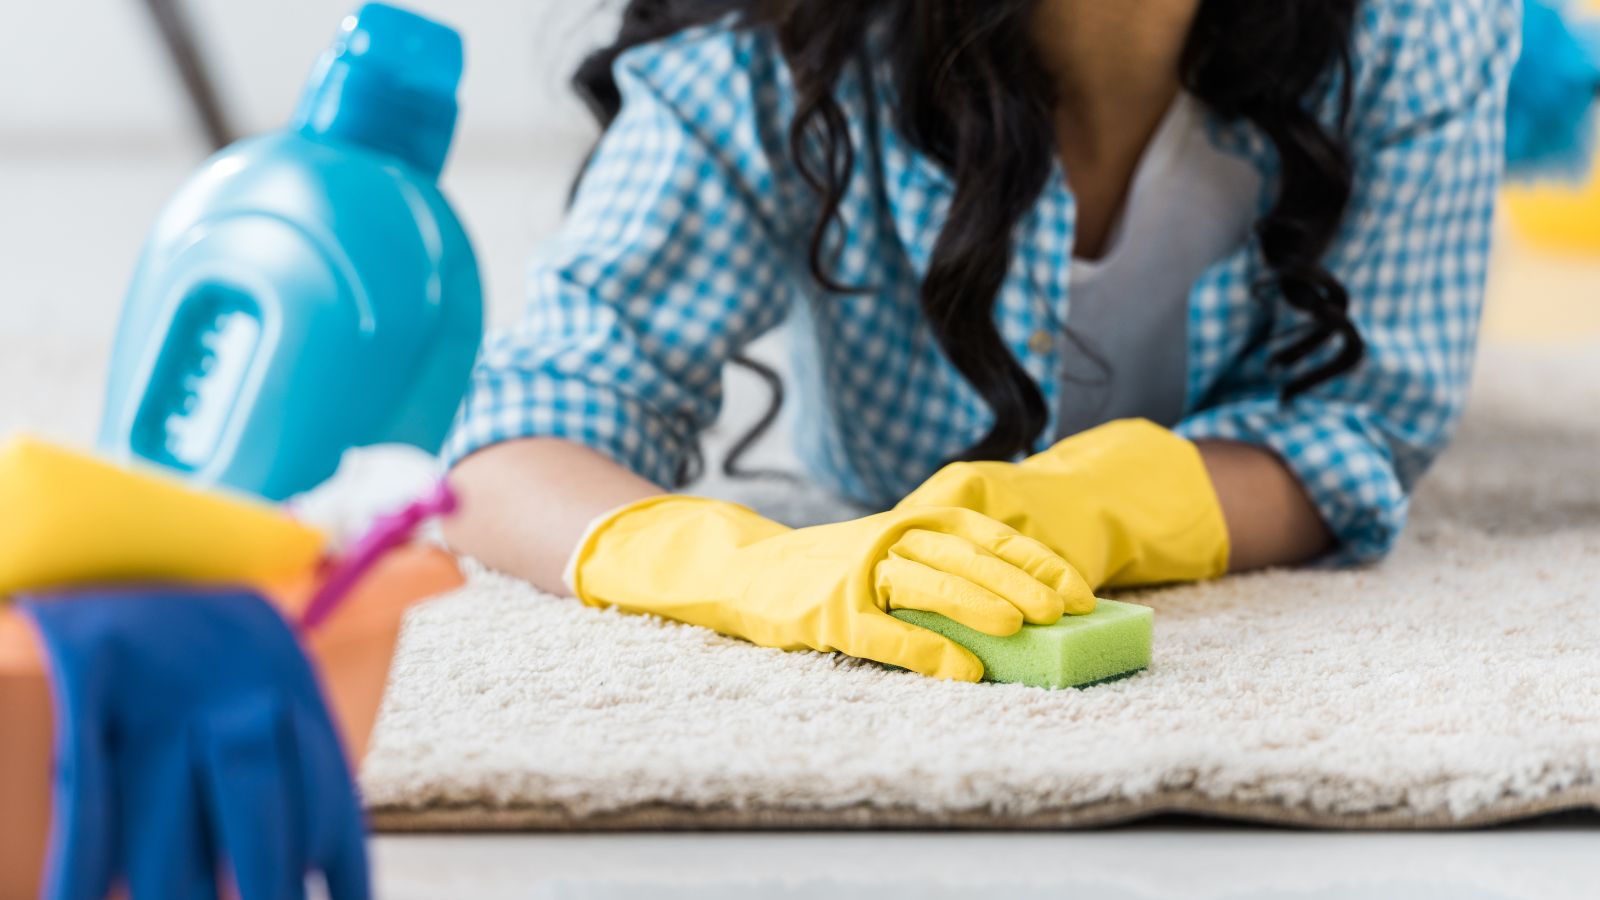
185, 52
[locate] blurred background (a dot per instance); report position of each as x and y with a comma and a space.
97, 129
95, 73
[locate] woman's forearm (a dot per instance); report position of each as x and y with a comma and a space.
525, 504
1271, 521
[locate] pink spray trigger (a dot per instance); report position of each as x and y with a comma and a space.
387, 533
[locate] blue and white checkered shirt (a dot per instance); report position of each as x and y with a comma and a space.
688, 236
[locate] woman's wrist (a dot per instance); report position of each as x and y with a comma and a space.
1270, 517
525, 505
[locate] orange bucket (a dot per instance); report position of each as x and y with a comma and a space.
351, 652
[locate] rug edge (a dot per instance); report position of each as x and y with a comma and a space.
863, 817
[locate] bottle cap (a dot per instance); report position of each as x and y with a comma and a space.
388, 82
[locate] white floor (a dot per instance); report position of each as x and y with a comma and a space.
70, 227
1140, 863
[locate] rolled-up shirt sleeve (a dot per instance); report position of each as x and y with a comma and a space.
670, 261
1428, 142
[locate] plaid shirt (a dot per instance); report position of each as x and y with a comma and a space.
688, 236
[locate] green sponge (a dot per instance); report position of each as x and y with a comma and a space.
1077, 651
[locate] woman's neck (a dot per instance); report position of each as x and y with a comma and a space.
1105, 55
1116, 69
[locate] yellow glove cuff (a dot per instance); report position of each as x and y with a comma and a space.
693, 531
1143, 496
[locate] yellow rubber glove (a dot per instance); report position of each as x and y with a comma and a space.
67, 518
722, 566
1129, 503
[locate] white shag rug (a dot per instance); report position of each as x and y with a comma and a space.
1458, 684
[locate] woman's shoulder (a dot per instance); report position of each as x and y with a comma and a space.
1428, 55
1438, 22
716, 70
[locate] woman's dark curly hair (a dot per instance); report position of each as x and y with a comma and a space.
975, 98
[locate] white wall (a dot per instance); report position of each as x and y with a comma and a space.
96, 131
93, 72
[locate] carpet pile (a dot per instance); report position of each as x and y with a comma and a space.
1457, 684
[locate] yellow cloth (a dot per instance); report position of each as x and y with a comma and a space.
67, 518
722, 566
1128, 503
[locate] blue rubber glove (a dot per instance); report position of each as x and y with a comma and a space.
191, 740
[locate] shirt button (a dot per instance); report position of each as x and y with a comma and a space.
1041, 342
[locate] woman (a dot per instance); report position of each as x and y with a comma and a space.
1217, 264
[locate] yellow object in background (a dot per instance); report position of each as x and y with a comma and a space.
1552, 215
67, 518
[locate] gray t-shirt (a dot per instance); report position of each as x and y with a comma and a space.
1191, 205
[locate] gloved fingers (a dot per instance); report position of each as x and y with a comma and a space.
880, 637
1034, 557
345, 871
906, 583
253, 795
1038, 603
1038, 560
164, 849
336, 831
1075, 592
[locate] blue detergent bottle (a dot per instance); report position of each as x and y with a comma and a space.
309, 290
